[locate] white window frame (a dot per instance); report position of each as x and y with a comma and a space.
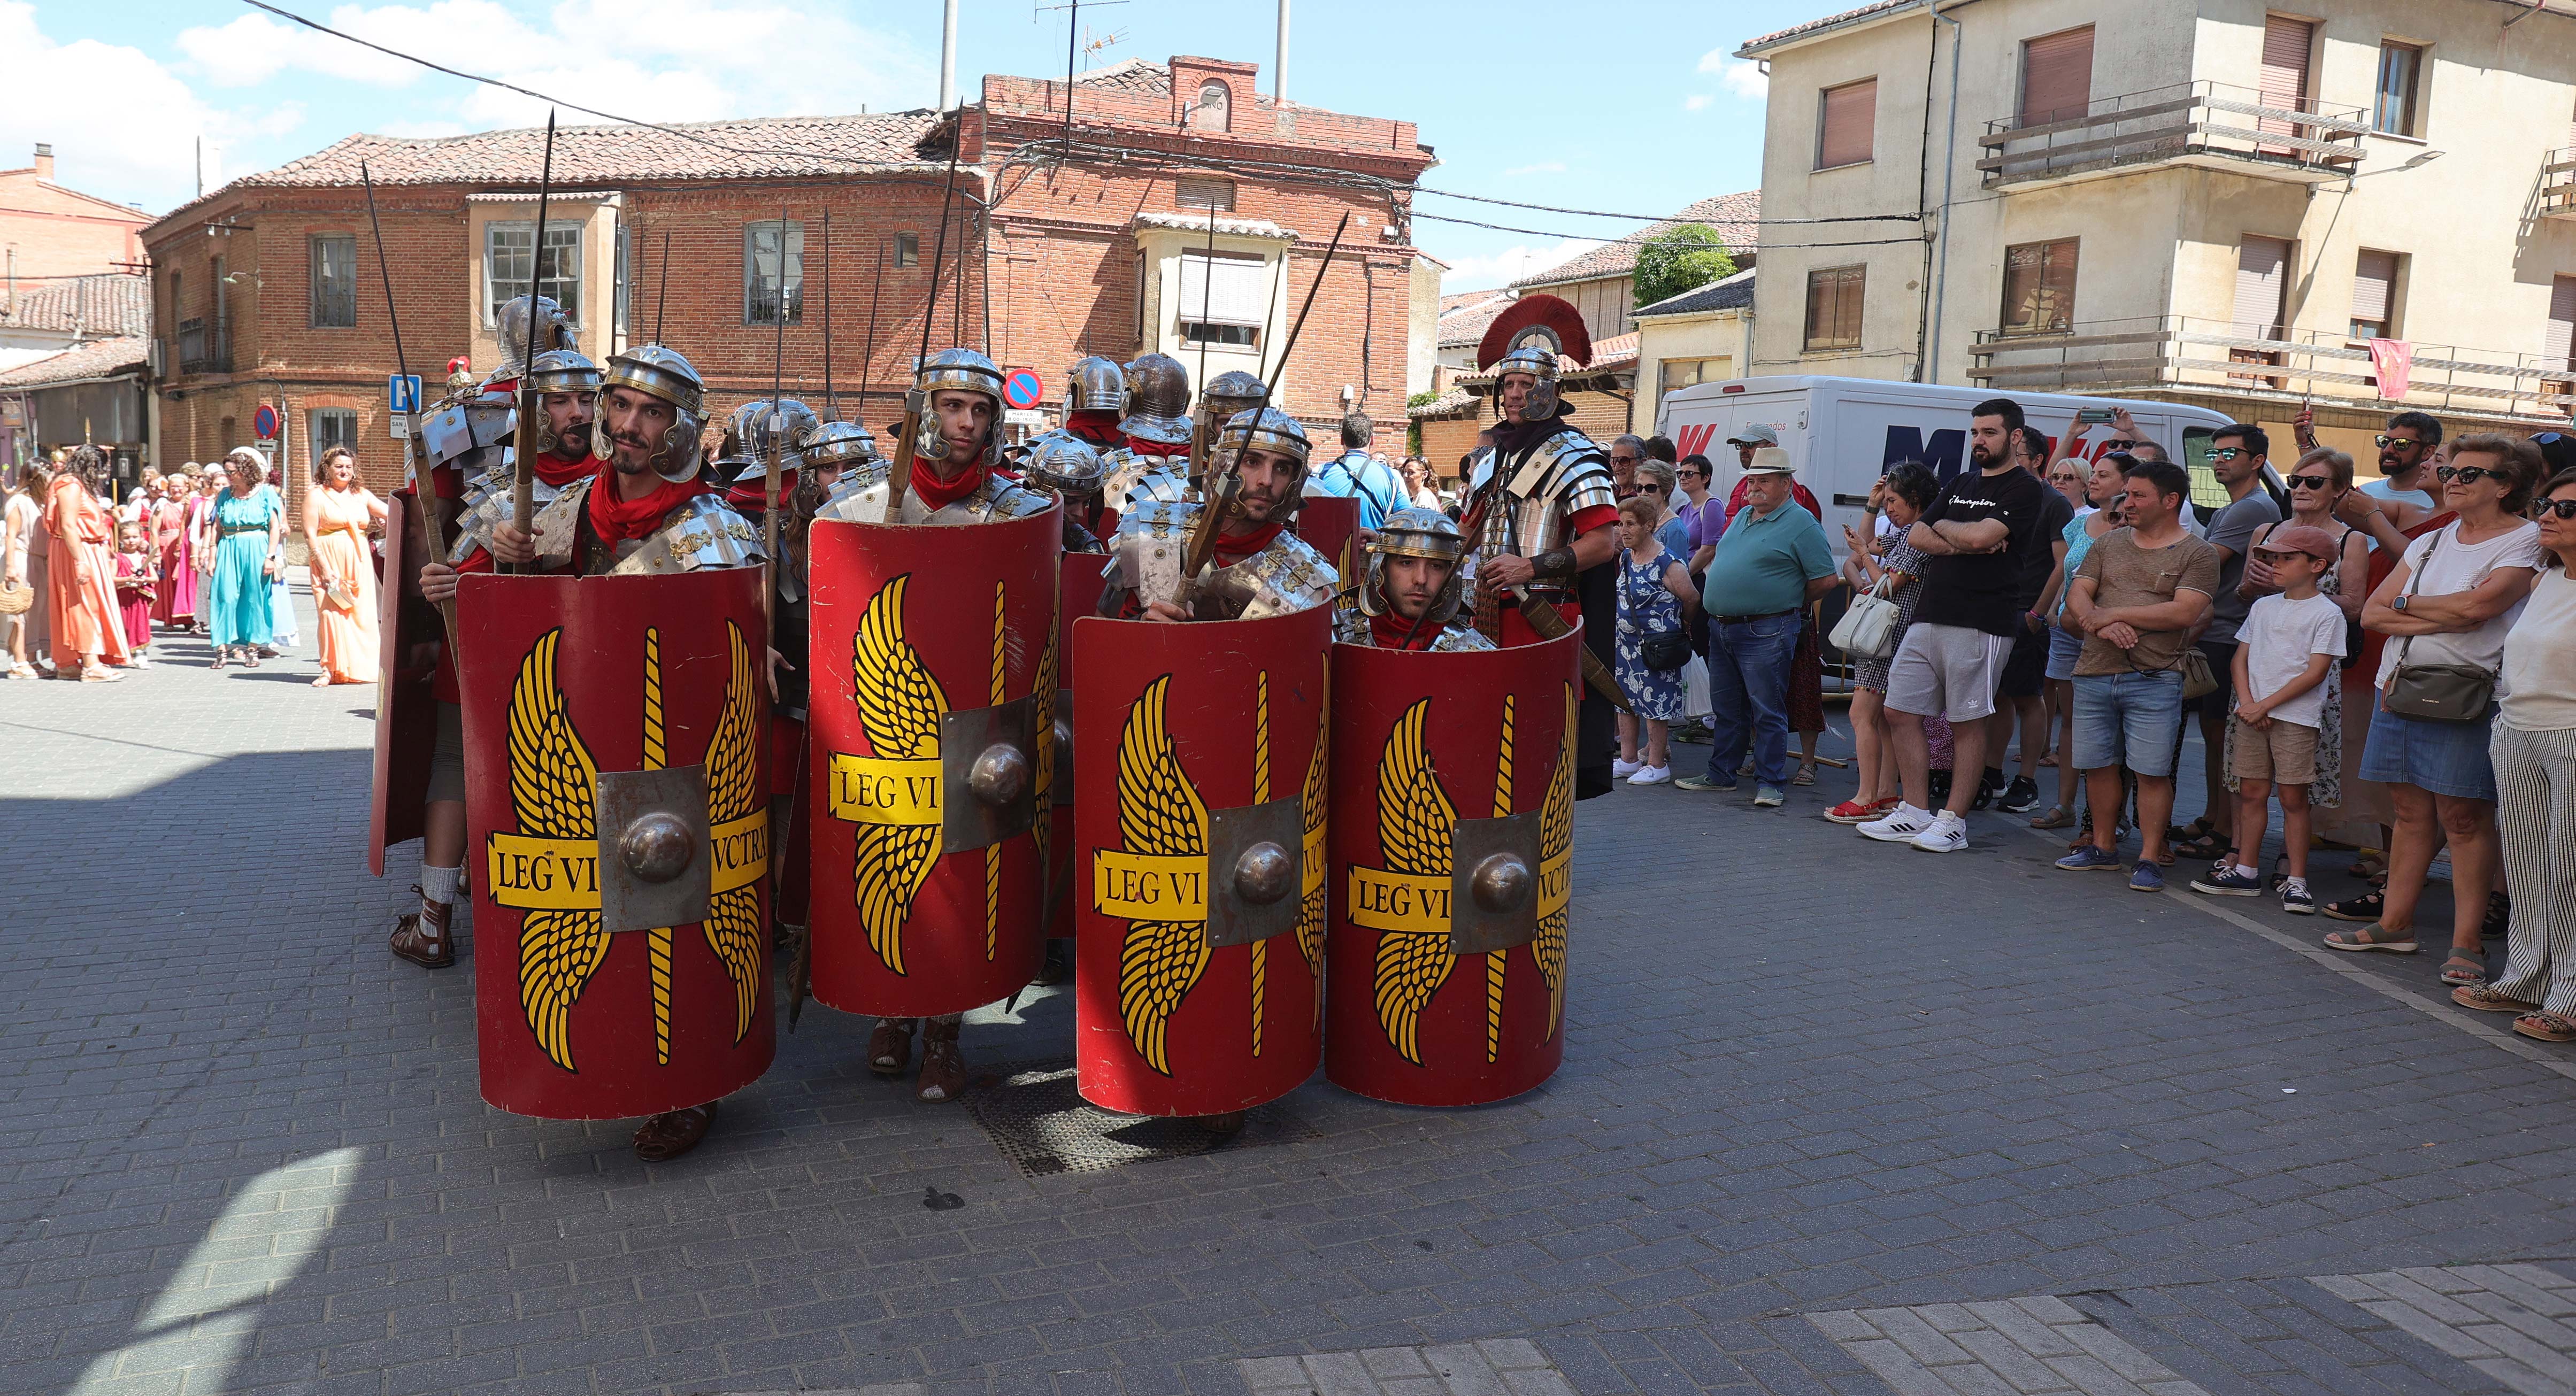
569, 233
792, 275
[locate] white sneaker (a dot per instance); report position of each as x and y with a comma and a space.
1621, 770
1948, 834
1651, 775
1900, 827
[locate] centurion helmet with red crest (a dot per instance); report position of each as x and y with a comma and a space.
1527, 338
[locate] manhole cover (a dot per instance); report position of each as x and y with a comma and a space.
1043, 1126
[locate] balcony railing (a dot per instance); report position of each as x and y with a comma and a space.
2176, 351
206, 345
2197, 123
2558, 185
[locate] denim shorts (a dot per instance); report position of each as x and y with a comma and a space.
2063, 646
2446, 758
2133, 720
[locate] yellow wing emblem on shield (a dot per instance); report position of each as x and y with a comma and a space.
1555, 842
900, 705
1415, 822
732, 926
553, 786
1158, 812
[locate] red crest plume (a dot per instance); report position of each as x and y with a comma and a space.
1551, 314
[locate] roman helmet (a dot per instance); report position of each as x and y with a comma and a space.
1536, 361
751, 433
1527, 338
1158, 400
1063, 462
955, 370
1415, 531
659, 372
1095, 384
1268, 429
563, 371
1231, 392
554, 330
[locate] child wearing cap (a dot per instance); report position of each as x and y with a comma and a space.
2289, 644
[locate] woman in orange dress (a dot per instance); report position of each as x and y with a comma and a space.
339, 513
89, 640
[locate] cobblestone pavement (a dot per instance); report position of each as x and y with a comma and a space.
1812, 1087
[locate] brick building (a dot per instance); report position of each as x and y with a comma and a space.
1059, 246
48, 231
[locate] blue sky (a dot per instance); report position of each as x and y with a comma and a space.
1632, 107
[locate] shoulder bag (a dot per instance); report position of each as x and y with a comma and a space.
1868, 629
2436, 692
1662, 650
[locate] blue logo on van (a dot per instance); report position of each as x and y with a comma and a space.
1946, 457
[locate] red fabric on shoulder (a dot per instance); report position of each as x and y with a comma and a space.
1584, 521
1232, 548
616, 520
936, 493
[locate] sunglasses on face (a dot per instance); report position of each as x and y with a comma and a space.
2228, 453
2564, 509
2307, 482
1623, 460
1651, 488
2385, 442
2118, 443
1694, 474
2465, 474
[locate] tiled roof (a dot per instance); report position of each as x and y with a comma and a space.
1462, 299
1134, 75
1448, 404
586, 156
1832, 21
113, 303
1234, 227
1608, 353
1466, 323
96, 359
1726, 293
1735, 217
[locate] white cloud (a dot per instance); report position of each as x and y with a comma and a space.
122, 126
1511, 264
1745, 79
674, 60
1697, 101
1545, 167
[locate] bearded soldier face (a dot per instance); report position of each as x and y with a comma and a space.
1264, 482
570, 414
638, 423
1413, 583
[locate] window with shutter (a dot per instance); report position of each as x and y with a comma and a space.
2400, 72
1222, 299
2039, 288
1844, 124
2287, 43
2262, 270
2374, 295
2056, 76
1833, 307
1217, 194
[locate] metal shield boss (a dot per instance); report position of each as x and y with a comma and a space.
1199, 830
1330, 524
932, 713
406, 710
617, 813
1452, 842
1085, 576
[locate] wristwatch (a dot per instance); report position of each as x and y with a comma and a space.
2399, 604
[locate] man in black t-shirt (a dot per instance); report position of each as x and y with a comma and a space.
2025, 675
1978, 538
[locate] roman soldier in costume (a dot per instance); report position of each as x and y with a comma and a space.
647, 512
1154, 463
933, 649
1095, 395
1409, 598
570, 384
1259, 568
1541, 518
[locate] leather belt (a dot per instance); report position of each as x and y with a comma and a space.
1766, 615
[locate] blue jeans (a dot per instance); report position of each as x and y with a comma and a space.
2128, 719
1748, 694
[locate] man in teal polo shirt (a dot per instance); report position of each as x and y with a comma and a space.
1771, 561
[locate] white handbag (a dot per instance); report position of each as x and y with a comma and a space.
1868, 629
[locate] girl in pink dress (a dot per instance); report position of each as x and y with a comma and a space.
136, 583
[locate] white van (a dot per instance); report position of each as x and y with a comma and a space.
1845, 432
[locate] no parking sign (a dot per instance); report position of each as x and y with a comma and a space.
1023, 388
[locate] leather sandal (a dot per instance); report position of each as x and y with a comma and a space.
943, 1067
890, 1046
2464, 969
2487, 998
667, 1136
413, 937
2547, 1027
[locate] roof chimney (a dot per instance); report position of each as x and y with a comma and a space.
44, 162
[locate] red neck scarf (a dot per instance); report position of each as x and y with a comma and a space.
1143, 447
616, 520
1098, 428
936, 493
560, 470
1232, 548
1387, 632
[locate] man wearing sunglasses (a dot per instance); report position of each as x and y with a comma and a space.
2236, 456
2406, 486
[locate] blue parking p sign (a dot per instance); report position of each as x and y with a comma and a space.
402, 392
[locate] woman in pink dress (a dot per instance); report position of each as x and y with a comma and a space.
172, 545
338, 515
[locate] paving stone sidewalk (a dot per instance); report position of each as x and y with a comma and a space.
1804, 1076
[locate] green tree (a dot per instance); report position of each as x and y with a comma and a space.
1682, 259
